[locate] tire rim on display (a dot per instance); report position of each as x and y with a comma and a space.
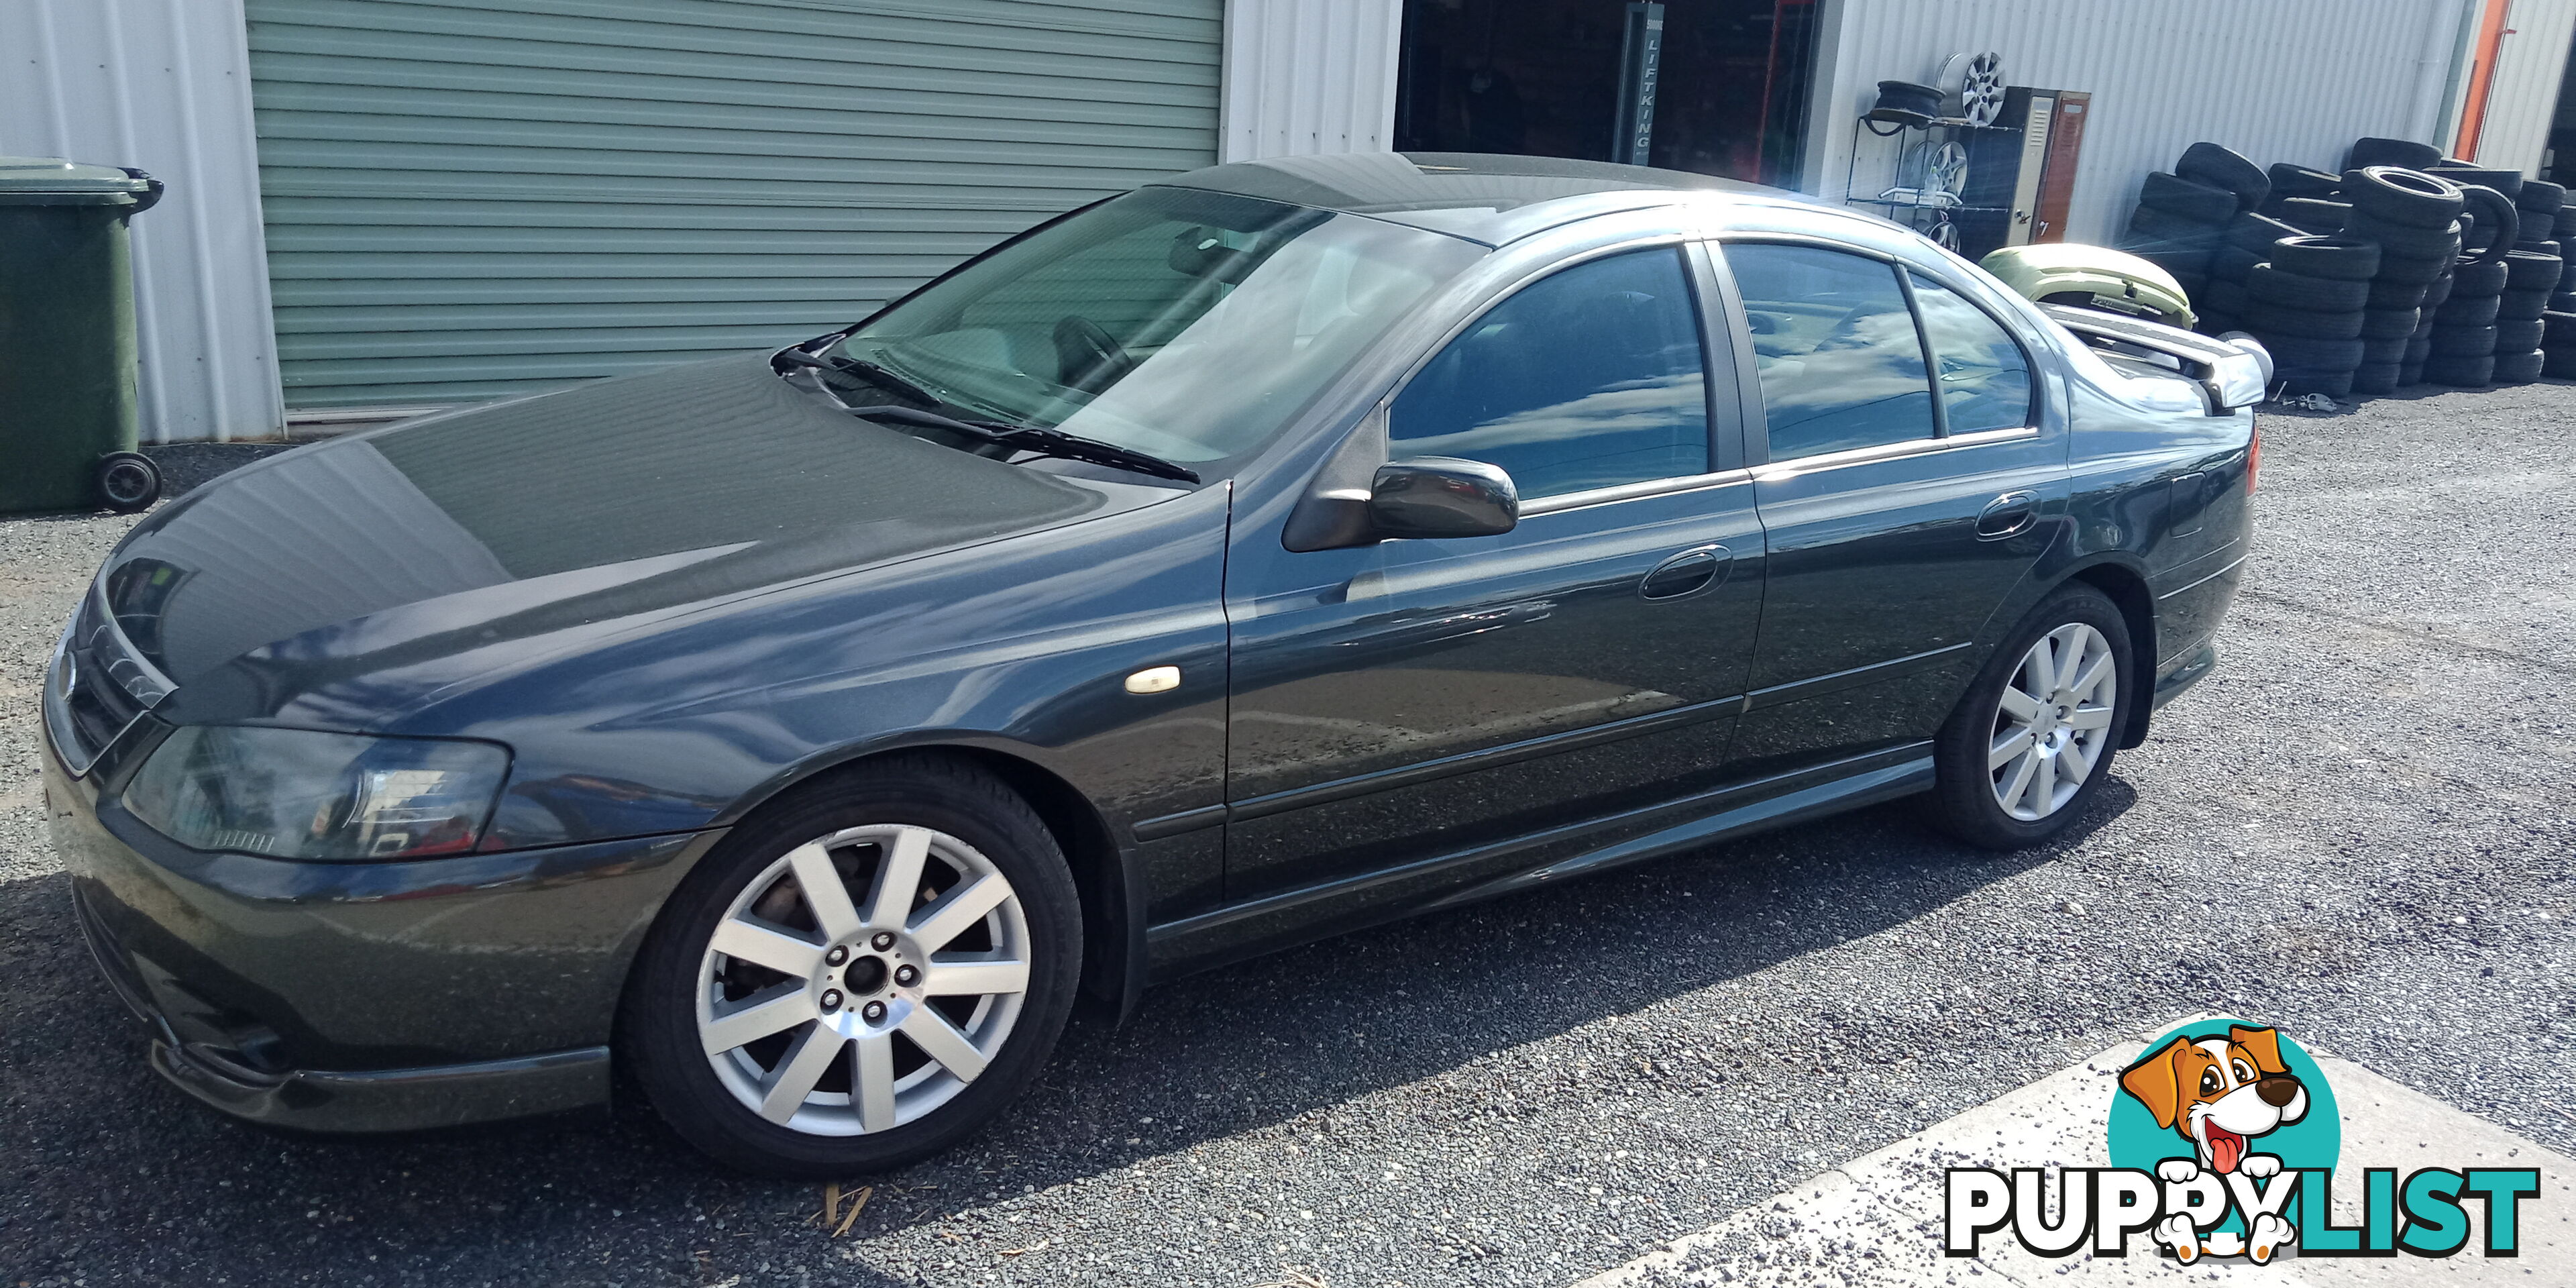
2053, 722
836, 1016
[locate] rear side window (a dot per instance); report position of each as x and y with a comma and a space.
1840, 360
1984, 379
1589, 378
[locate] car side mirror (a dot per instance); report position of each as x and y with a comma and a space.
1441, 496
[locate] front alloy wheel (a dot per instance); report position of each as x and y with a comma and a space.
860, 975
836, 1015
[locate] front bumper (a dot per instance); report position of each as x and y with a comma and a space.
365, 997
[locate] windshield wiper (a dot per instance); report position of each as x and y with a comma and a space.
1043, 442
861, 368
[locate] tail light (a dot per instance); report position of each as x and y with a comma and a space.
2254, 458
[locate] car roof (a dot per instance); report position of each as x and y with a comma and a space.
1480, 197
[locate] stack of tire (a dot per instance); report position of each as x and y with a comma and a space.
2415, 222
2558, 325
2246, 244
2536, 275
2473, 340
2182, 216
2307, 304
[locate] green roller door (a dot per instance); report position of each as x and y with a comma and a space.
468, 199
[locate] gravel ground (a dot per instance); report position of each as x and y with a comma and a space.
2359, 828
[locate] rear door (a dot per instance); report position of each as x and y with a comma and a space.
1897, 522
1403, 704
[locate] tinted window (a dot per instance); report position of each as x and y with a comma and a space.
1841, 363
1985, 381
1589, 378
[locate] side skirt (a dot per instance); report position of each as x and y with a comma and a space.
1449, 880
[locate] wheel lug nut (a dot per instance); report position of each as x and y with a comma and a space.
836, 956
907, 976
884, 940
831, 999
873, 1012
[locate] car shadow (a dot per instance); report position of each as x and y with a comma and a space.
1231, 1051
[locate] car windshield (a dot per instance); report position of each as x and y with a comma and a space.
1187, 324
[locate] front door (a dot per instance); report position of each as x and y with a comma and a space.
1398, 705
1898, 524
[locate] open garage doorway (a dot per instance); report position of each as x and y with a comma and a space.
1713, 86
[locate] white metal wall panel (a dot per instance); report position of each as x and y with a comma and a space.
162, 85
473, 198
2524, 97
2281, 80
1310, 76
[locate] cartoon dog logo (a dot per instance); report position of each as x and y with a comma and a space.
2220, 1094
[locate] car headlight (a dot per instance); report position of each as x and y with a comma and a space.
301, 794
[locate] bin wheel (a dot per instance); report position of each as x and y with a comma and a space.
128, 481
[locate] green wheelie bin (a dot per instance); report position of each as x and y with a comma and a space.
67, 380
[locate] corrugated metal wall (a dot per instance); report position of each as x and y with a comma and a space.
161, 84
2281, 80
2528, 73
472, 198
1310, 76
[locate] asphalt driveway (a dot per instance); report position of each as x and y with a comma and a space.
2360, 828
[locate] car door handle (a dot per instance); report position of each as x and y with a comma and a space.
2009, 515
1687, 573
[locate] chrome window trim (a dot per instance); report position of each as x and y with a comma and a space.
1823, 461
1565, 501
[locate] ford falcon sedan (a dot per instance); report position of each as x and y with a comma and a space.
1264, 553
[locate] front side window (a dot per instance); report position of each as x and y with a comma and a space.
1590, 378
1984, 378
1190, 325
1840, 360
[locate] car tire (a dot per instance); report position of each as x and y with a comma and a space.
2405, 241
2397, 152
2464, 341
2460, 372
2296, 381
2438, 292
2150, 224
2386, 294
2275, 283
2409, 271
2299, 181
2309, 215
2522, 306
2468, 310
2560, 363
955, 829
2499, 223
2404, 197
2541, 197
2074, 629
2257, 233
2343, 259
2520, 335
2384, 351
2506, 182
2227, 297
2314, 355
2475, 279
2181, 197
2275, 319
2558, 329
2221, 167
2376, 378
2390, 324
2530, 270
2231, 262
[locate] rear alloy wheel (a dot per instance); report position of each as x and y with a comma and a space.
2034, 736
860, 978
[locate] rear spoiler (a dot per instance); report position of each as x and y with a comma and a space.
2233, 372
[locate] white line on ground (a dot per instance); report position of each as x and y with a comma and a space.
1877, 1219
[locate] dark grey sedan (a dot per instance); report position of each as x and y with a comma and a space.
1265, 553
